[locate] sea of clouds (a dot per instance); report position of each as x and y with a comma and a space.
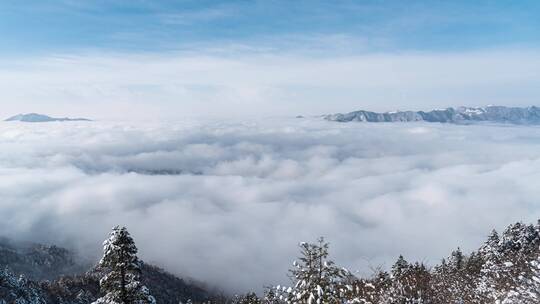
227, 202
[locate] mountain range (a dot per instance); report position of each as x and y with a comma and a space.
459, 115
34, 117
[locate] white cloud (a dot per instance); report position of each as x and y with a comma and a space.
153, 86
249, 191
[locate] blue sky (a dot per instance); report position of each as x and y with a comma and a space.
353, 26
173, 58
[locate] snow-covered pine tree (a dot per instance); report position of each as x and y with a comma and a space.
249, 298
410, 284
18, 290
471, 274
317, 279
528, 288
507, 262
121, 282
491, 269
271, 296
457, 259
394, 293
399, 266
365, 291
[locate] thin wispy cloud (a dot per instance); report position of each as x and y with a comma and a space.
173, 85
164, 25
163, 59
205, 15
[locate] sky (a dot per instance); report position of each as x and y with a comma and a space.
152, 60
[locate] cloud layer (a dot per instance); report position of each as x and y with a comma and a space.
245, 82
227, 202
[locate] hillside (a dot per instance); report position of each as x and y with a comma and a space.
504, 269
36, 273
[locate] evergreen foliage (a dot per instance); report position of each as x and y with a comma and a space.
121, 283
504, 270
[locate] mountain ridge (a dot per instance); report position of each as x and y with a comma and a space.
457, 115
35, 117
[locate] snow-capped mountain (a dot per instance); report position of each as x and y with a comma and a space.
515, 115
34, 117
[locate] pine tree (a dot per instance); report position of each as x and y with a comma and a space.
271, 296
249, 298
456, 260
410, 284
457, 281
365, 291
121, 283
527, 290
507, 262
399, 266
488, 287
18, 290
317, 279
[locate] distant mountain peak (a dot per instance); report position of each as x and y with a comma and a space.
499, 114
34, 117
